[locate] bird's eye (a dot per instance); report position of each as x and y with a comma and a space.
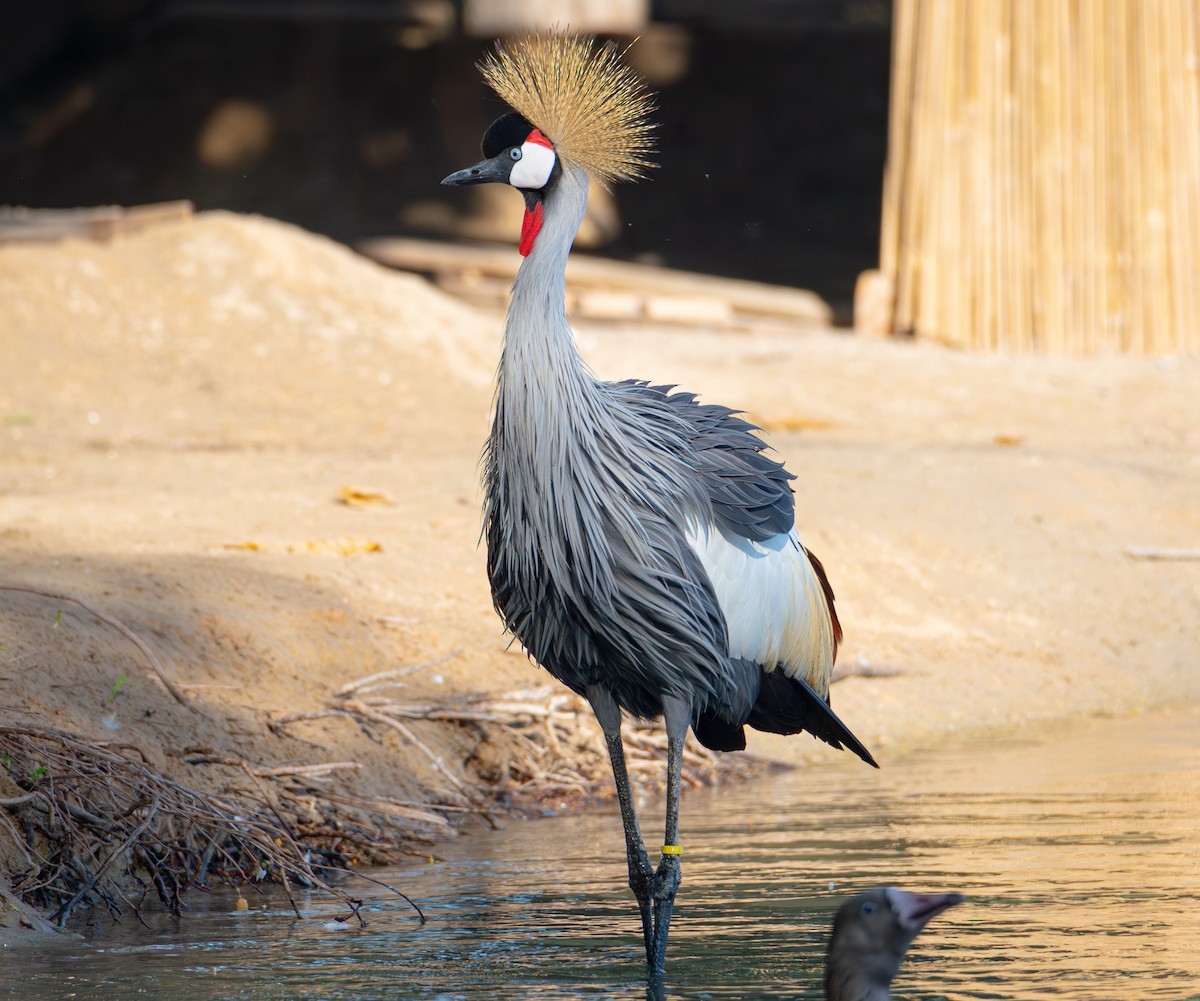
868, 908
515, 152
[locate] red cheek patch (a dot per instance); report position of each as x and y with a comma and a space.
530, 227
539, 139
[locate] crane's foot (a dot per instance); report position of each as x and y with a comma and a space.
665, 885
641, 882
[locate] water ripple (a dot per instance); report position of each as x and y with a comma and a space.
1081, 858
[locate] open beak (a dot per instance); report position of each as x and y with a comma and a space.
496, 169
916, 910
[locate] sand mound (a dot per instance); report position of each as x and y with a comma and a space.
239, 310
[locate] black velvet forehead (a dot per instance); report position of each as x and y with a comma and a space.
507, 130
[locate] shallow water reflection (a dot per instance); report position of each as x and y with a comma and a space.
1079, 848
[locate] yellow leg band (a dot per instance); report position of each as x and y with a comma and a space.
672, 849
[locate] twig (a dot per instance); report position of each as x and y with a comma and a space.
1155, 553
388, 886
321, 769
378, 680
284, 828
116, 624
17, 840
79, 813
390, 808
404, 731
276, 726
60, 916
864, 671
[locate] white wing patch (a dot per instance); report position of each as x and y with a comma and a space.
774, 606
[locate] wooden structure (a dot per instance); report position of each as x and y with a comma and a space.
602, 289
1042, 191
24, 225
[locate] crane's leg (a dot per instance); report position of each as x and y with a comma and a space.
641, 875
677, 715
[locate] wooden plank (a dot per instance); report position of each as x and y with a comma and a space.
708, 310
747, 298
607, 304
610, 305
19, 224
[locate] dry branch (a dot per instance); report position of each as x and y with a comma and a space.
323, 768
545, 743
384, 678
863, 671
116, 624
1157, 553
94, 816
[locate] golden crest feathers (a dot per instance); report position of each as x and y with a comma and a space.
581, 96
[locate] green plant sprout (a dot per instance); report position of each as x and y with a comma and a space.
116, 688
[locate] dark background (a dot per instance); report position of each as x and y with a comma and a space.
771, 141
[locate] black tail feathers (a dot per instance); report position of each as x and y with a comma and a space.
784, 705
719, 734
789, 705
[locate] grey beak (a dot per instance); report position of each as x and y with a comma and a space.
916, 910
496, 169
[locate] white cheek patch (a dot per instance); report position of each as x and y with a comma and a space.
533, 170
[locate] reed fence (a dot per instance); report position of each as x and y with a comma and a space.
1042, 191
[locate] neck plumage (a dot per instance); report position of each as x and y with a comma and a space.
539, 361
855, 988
852, 975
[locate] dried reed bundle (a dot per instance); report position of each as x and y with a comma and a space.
1042, 191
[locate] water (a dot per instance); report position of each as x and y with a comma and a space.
1079, 848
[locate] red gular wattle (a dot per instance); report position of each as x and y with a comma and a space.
530, 227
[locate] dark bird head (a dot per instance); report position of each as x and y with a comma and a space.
871, 934
520, 155
516, 153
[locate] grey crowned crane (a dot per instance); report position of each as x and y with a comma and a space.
641, 546
871, 933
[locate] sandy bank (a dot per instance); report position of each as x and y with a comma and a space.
184, 411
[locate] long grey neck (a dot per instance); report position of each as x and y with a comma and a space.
539, 362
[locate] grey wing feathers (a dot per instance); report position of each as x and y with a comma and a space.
750, 496
588, 566
750, 493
